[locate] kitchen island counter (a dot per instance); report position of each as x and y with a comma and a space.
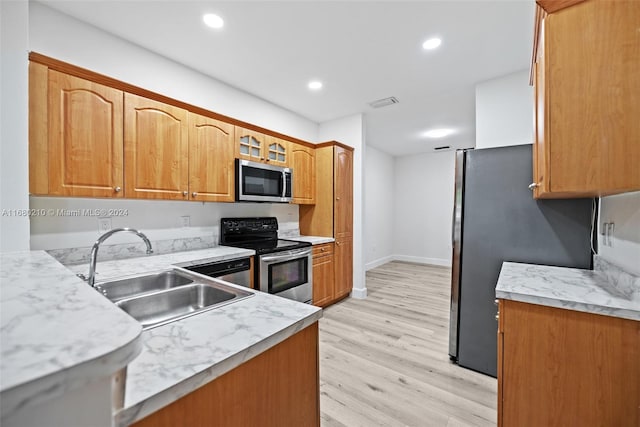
58, 334
94, 337
179, 357
569, 288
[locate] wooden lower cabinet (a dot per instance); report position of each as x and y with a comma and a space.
344, 267
279, 387
560, 367
323, 274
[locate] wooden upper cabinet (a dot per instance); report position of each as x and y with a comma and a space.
587, 85
258, 147
551, 6
211, 155
303, 163
277, 152
156, 138
84, 138
251, 144
343, 192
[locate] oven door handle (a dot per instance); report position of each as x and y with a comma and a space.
286, 256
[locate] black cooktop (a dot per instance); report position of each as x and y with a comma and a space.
257, 233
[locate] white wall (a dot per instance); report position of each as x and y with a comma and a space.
424, 188
624, 211
350, 131
68, 39
158, 219
504, 111
379, 176
14, 133
62, 37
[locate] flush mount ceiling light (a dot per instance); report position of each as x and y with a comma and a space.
432, 43
212, 20
438, 133
315, 85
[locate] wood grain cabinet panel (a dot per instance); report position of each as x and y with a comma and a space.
323, 274
343, 282
211, 154
277, 152
562, 367
332, 214
258, 147
84, 138
303, 163
156, 145
277, 388
587, 109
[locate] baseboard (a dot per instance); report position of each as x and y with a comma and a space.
408, 258
378, 262
423, 260
359, 293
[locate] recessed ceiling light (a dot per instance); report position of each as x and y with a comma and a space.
438, 133
432, 43
315, 85
212, 20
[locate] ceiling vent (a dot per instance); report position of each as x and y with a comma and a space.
444, 147
384, 102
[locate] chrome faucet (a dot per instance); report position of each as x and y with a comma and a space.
94, 250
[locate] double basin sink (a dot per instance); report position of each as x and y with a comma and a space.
163, 297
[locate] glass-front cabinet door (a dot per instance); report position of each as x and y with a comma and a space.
278, 152
258, 147
251, 145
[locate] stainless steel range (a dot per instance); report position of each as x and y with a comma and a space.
283, 267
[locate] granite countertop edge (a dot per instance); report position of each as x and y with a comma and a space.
40, 295
566, 288
148, 406
314, 240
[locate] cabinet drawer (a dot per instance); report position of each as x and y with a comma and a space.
322, 250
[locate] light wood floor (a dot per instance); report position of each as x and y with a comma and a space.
384, 360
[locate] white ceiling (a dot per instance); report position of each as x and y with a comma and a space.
361, 50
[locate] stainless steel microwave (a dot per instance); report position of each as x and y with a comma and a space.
259, 182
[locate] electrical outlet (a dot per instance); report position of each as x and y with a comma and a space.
104, 224
612, 227
185, 221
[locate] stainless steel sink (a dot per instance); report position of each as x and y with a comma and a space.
161, 298
132, 286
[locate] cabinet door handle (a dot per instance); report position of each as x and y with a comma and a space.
185, 193
533, 185
194, 194
117, 189
498, 316
338, 243
337, 198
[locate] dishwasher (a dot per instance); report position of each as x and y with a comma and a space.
236, 271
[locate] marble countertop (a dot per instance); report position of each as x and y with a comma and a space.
181, 356
314, 240
569, 288
57, 333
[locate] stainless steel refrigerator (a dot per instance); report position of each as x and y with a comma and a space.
496, 219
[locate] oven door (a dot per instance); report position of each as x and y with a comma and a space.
287, 274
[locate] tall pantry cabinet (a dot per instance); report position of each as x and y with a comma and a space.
332, 215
